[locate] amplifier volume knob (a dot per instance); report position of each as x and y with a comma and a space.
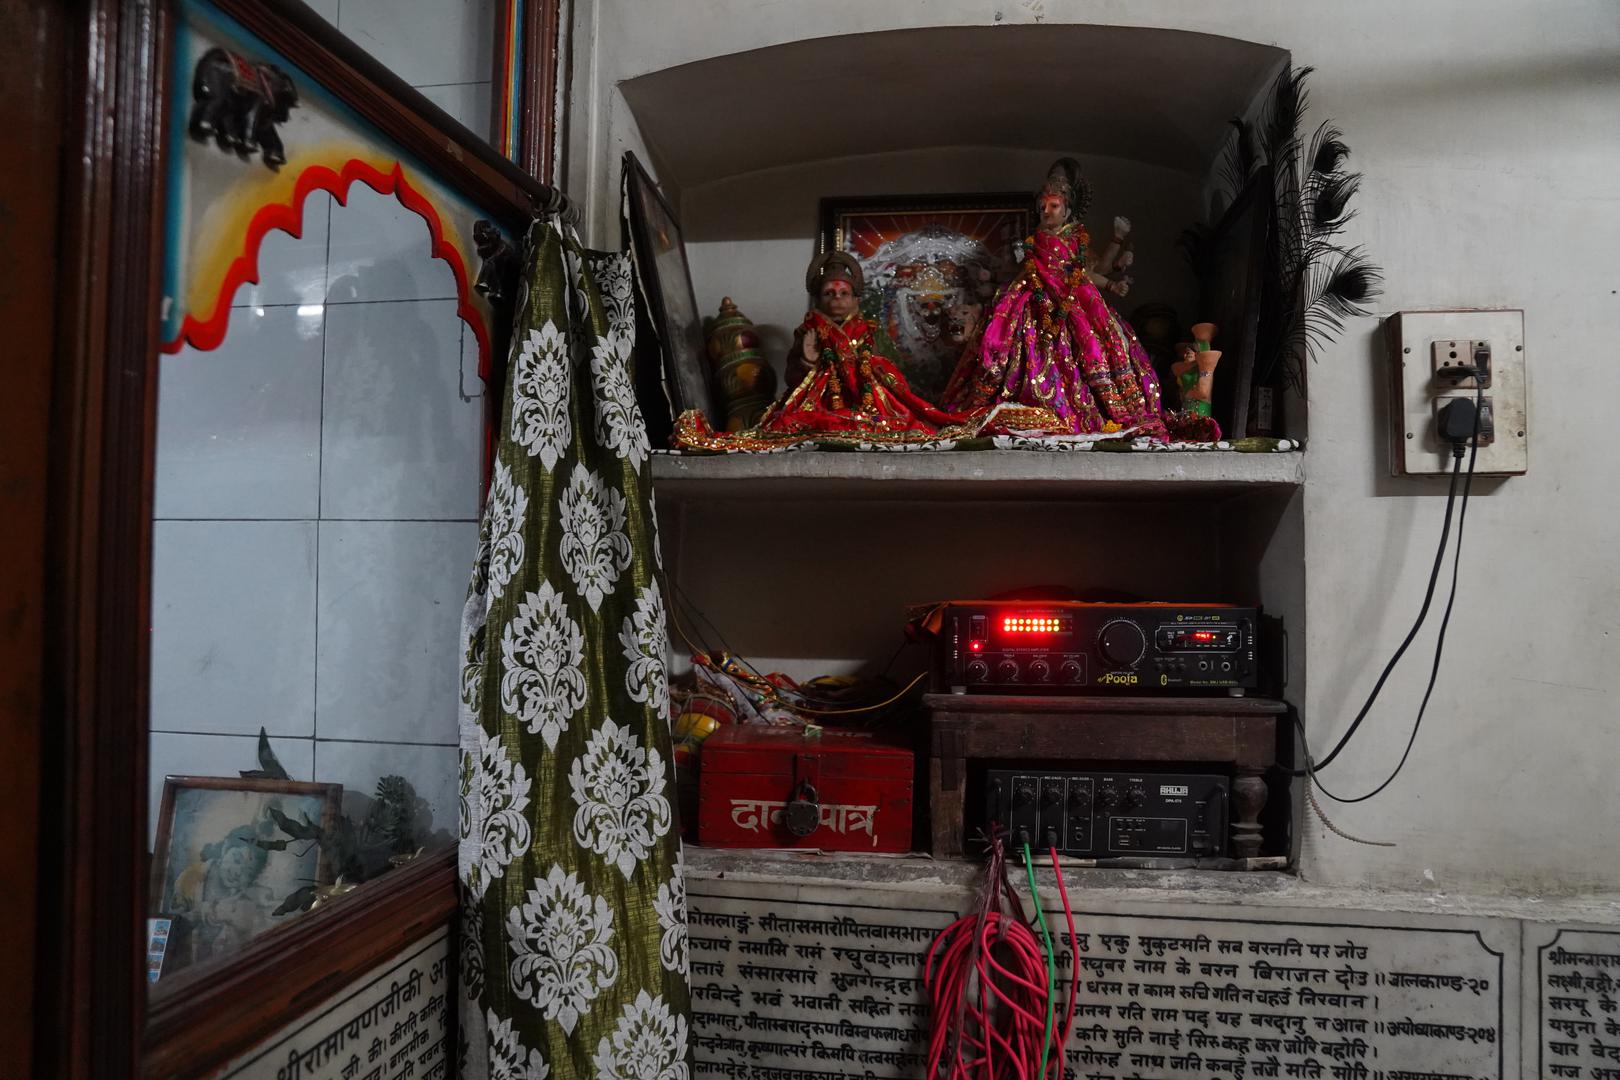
1007, 671
1040, 671
1122, 643
978, 671
1069, 672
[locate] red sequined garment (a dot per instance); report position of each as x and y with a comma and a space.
1053, 343
852, 392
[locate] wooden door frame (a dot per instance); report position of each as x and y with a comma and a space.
81, 614
528, 33
33, 44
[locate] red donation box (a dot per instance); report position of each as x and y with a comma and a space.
776, 787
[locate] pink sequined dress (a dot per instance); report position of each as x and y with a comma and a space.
1052, 342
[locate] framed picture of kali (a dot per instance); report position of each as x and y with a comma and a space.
929, 261
235, 858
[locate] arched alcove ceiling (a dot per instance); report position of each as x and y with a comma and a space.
1158, 96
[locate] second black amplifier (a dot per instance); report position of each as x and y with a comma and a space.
1100, 815
1012, 647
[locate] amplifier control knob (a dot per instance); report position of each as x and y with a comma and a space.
1135, 797
1122, 643
1007, 671
978, 671
1108, 797
1040, 671
1069, 672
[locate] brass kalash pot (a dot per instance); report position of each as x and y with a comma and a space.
746, 382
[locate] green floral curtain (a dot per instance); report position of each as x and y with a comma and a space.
574, 957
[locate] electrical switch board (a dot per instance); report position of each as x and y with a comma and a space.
1100, 815
1438, 356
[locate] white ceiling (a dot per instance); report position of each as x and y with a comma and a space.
1158, 96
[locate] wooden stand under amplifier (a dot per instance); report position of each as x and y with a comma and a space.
1009, 647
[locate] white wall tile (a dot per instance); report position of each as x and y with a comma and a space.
326, 9
292, 270
239, 427
425, 42
468, 103
217, 755
431, 770
382, 251
399, 441
390, 614
233, 627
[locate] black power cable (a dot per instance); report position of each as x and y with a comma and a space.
1459, 430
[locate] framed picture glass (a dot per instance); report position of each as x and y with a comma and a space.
231, 858
928, 260
660, 254
1231, 294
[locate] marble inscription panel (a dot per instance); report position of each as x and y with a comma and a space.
390, 1024
1577, 1002
804, 983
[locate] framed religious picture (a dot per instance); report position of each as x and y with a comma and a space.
932, 263
659, 250
235, 858
1231, 294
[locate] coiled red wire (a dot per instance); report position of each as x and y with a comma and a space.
987, 981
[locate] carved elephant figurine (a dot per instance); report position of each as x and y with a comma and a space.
239, 103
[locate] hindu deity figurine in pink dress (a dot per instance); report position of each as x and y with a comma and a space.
1053, 347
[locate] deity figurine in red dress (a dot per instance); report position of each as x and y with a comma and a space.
1053, 347
838, 383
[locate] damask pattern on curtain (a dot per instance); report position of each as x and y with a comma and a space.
574, 953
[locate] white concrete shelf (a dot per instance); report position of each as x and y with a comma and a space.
949, 878
975, 475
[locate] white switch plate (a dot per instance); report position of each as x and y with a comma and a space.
1415, 449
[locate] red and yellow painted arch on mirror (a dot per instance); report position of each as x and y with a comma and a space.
276, 201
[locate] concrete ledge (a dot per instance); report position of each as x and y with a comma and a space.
985, 474
923, 875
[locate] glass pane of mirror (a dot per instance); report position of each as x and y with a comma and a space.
315, 516
318, 472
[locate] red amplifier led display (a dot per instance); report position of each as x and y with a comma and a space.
1028, 623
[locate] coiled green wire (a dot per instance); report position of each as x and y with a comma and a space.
1051, 962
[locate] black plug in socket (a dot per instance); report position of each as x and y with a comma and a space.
1456, 421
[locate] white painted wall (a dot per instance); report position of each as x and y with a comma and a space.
1489, 133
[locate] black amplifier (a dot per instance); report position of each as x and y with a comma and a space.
1104, 815
1017, 647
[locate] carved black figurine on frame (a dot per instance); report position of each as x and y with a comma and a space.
499, 268
239, 102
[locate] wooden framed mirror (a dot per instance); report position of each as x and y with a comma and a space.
209, 146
